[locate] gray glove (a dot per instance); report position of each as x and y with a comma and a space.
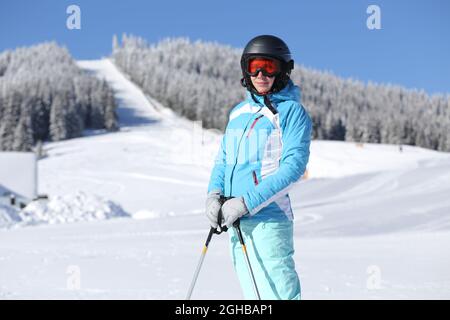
233, 209
213, 207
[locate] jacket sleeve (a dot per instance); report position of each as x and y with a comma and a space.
216, 180
296, 139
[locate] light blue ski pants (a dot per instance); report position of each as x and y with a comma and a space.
270, 247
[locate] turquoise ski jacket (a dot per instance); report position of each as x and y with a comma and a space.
263, 153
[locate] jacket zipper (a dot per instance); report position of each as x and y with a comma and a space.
253, 124
237, 155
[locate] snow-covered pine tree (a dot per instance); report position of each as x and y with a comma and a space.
59, 97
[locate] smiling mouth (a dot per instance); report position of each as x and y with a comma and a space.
262, 83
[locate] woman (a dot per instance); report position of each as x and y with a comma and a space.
264, 151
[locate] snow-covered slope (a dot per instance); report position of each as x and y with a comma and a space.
334, 159
413, 198
371, 221
156, 165
134, 107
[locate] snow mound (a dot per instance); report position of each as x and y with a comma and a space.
75, 207
9, 216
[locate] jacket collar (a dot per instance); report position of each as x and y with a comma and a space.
290, 92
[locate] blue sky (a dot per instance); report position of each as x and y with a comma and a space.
412, 48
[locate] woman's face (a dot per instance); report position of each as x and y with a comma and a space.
262, 83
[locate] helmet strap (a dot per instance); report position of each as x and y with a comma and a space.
267, 102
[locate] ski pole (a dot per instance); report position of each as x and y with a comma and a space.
202, 257
205, 249
219, 230
237, 226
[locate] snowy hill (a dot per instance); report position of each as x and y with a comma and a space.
157, 165
365, 212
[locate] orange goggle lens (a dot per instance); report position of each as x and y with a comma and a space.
268, 67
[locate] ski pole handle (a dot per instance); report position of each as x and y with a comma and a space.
220, 216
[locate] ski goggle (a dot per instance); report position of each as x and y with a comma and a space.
268, 67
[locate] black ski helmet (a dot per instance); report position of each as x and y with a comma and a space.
272, 47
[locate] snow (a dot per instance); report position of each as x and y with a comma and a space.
72, 207
334, 159
371, 222
8, 215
